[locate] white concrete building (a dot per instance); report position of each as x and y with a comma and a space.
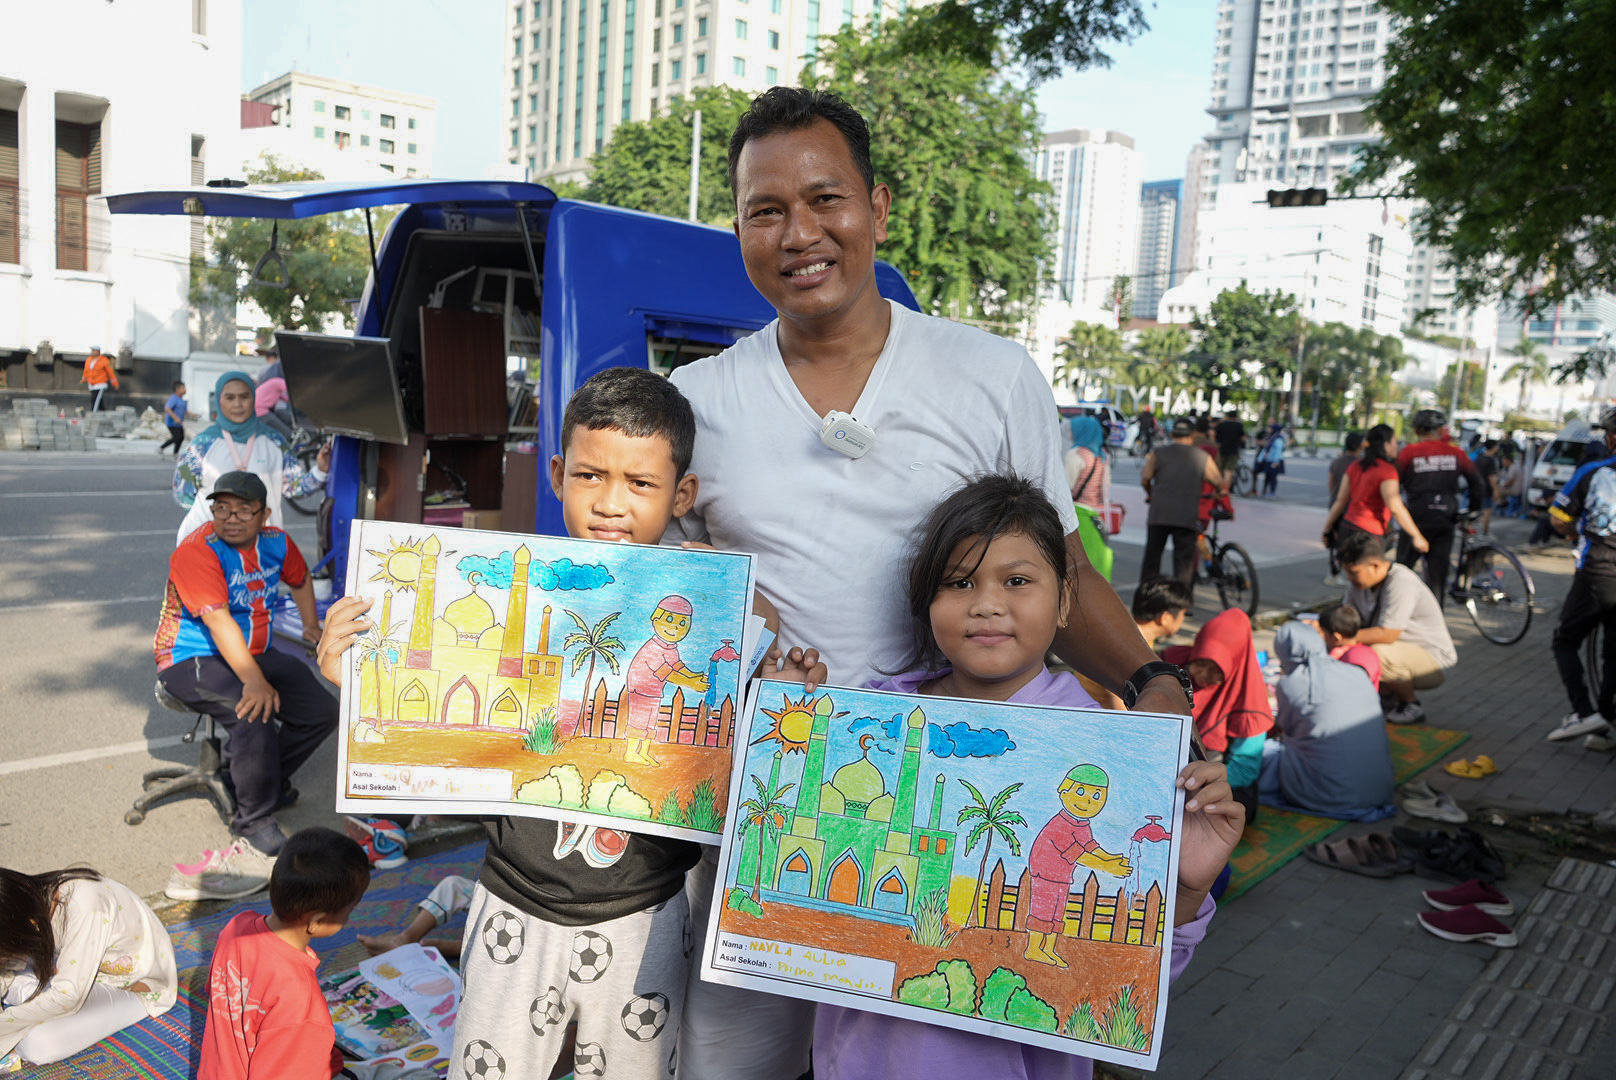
1346, 262
76, 125
1430, 302
1096, 180
580, 68
346, 130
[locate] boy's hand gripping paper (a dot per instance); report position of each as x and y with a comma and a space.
543, 676
998, 868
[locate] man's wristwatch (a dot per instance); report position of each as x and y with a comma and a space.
1155, 670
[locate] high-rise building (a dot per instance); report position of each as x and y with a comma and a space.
345, 130
1197, 167
1156, 270
578, 68
1095, 177
1431, 310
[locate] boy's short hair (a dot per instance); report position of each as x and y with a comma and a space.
318, 870
636, 402
1160, 596
177, 384
1342, 620
1354, 442
1360, 548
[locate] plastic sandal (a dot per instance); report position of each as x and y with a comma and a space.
1386, 853
1464, 770
1485, 764
1353, 855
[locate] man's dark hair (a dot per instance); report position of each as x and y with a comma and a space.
1354, 442
177, 384
1490, 444
792, 108
636, 402
319, 870
1341, 619
1160, 596
1360, 547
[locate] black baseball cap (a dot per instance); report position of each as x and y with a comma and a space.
243, 485
1182, 427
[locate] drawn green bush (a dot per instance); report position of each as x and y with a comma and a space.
703, 810
563, 785
544, 737
1006, 997
672, 812
1124, 1026
739, 900
1083, 1025
949, 988
931, 921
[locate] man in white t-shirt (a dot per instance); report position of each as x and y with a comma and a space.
944, 401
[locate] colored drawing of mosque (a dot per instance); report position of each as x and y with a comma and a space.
851, 842
463, 669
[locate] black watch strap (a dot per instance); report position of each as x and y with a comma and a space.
1154, 670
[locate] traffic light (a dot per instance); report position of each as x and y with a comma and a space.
1313, 196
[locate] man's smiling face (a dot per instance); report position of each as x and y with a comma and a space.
808, 226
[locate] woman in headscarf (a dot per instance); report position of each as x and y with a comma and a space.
1232, 714
238, 440
1335, 760
1088, 476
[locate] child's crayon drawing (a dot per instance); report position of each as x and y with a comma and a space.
544, 676
999, 868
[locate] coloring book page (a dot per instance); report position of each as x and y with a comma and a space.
420, 980
591, 683
1005, 869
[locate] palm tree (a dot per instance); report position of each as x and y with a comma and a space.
1089, 349
1160, 357
1532, 367
991, 819
592, 644
767, 814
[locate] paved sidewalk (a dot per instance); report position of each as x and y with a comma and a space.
1316, 973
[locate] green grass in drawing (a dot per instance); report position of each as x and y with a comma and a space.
672, 812
545, 735
932, 927
703, 812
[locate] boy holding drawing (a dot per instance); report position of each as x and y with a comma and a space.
553, 940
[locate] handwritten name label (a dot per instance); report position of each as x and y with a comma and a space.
430, 782
805, 964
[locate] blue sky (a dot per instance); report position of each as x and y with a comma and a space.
1156, 91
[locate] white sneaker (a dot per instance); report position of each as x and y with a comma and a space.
1408, 712
240, 870
1574, 725
1335, 581
1421, 800
1604, 739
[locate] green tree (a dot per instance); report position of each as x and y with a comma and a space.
1501, 118
992, 818
1088, 350
1472, 385
646, 165
592, 642
1122, 297
954, 140
327, 259
1161, 353
1243, 327
1532, 367
765, 814
1044, 35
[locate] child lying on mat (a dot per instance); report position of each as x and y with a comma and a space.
106, 962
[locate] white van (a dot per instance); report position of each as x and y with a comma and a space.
1560, 459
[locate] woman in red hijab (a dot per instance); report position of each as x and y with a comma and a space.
1232, 714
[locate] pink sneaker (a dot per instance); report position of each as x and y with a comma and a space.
209, 857
1468, 923
1474, 893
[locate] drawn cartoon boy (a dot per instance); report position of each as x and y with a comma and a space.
653, 667
1062, 844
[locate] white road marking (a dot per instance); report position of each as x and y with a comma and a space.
79, 494
76, 756
80, 603
87, 535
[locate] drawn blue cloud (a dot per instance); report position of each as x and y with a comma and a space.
960, 739
881, 729
563, 574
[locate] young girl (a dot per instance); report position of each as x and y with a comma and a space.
81, 957
988, 587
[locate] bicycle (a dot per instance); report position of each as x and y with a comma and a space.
1492, 584
305, 444
1229, 568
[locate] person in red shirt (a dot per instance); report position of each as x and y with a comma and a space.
1370, 496
266, 1015
1431, 471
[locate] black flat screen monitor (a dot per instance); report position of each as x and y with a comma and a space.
345, 385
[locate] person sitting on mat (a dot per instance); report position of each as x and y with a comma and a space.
81, 957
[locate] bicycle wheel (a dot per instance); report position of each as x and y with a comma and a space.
309, 502
1499, 597
1236, 577
1242, 479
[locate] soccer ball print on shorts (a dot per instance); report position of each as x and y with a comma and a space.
621, 982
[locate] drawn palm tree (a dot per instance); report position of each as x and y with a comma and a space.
992, 818
766, 814
592, 643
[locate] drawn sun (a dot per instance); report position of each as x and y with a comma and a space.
400, 564
793, 723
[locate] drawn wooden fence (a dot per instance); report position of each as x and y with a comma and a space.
696, 726
1089, 914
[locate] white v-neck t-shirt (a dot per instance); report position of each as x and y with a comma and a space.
832, 534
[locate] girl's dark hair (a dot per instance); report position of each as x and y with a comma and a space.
25, 917
1375, 444
981, 510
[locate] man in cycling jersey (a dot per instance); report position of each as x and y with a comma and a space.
1586, 508
1430, 470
